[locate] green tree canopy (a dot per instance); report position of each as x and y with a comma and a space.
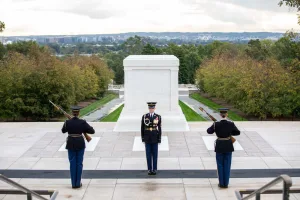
31, 76
2, 26
291, 3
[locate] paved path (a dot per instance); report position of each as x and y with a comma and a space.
268, 145
114, 170
148, 189
192, 103
106, 109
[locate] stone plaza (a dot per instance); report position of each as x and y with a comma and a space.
115, 165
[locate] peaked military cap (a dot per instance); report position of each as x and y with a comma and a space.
223, 110
75, 108
151, 104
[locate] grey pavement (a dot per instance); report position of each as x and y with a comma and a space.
269, 145
195, 105
105, 110
35, 146
147, 189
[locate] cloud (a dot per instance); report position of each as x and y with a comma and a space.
48, 17
94, 9
266, 5
247, 15
259, 5
222, 11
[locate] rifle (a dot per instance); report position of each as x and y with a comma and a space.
214, 119
87, 137
210, 116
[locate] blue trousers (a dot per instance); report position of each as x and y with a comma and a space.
76, 159
224, 165
151, 155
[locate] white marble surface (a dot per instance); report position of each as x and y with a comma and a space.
265, 137
151, 78
210, 143
138, 145
262, 146
148, 189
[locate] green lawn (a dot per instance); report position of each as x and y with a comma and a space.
113, 116
233, 116
97, 104
190, 114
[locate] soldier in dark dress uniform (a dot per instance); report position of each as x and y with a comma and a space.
151, 136
224, 129
75, 144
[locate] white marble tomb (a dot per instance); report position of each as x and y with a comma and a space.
151, 78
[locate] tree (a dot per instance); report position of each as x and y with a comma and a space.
2, 26
192, 61
115, 62
2, 51
151, 50
262, 88
292, 4
178, 51
55, 47
286, 49
257, 50
133, 45
22, 47
31, 75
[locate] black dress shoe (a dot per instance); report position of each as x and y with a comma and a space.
149, 172
76, 187
220, 186
154, 172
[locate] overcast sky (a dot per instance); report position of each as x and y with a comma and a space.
53, 17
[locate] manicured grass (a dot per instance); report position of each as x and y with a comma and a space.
190, 114
233, 116
113, 116
97, 104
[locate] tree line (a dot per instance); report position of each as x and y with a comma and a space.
31, 76
261, 79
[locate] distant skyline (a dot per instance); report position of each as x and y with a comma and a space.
75, 17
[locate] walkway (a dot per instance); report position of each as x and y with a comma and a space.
105, 110
114, 164
195, 105
148, 189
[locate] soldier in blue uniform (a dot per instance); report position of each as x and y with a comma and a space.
151, 136
224, 129
75, 144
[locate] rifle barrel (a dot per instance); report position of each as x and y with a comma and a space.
209, 115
